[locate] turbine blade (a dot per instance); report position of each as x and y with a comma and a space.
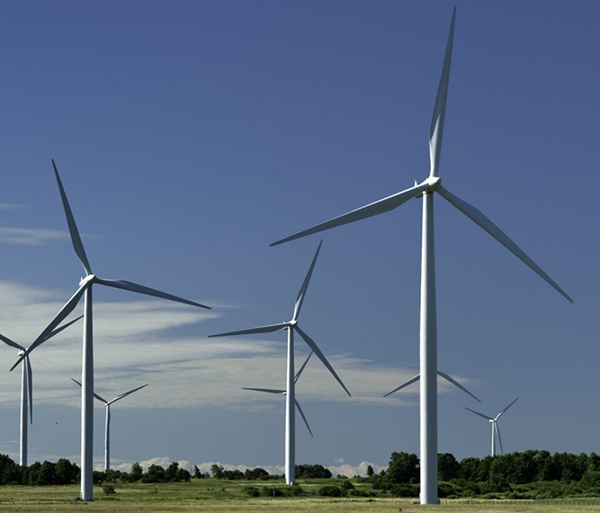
119, 397
11, 343
480, 219
299, 373
29, 387
311, 343
60, 316
404, 385
436, 130
303, 289
261, 329
303, 417
373, 209
499, 437
266, 390
457, 384
505, 409
99, 397
75, 238
141, 289
477, 413
63, 327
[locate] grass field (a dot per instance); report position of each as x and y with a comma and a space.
211, 495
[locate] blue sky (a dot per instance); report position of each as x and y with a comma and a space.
191, 135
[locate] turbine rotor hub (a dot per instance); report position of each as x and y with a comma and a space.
434, 183
90, 278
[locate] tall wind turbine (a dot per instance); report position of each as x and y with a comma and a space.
283, 392
107, 422
292, 326
494, 422
428, 325
87, 371
27, 391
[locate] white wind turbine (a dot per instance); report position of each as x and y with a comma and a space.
283, 392
494, 422
107, 422
27, 391
87, 371
291, 326
428, 324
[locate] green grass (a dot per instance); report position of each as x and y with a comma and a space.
211, 495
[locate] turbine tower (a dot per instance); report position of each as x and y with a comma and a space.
283, 392
494, 422
291, 327
428, 324
27, 391
87, 371
107, 422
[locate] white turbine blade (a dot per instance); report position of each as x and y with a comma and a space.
311, 343
266, 390
119, 397
75, 238
373, 209
303, 289
477, 413
499, 437
261, 329
299, 373
11, 343
99, 397
27, 363
141, 289
505, 409
436, 130
457, 384
63, 327
480, 219
404, 385
60, 316
303, 418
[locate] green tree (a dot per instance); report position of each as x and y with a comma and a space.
448, 467
370, 471
402, 468
136, 472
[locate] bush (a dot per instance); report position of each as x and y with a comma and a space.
108, 489
405, 490
267, 491
347, 485
252, 491
296, 491
331, 491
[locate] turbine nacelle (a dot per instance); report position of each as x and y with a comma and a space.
87, 280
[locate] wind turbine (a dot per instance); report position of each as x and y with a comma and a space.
494, 422
428, 325
291, 327
87, 371
283, 392
107, 423
27, 390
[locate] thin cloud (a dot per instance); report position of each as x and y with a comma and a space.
30, 236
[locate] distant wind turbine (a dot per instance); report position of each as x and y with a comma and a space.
107, 423
494, 422
291, 326
87, 371
27, 390
428, 323
283, 392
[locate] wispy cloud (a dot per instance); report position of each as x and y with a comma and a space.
30, 236
10, 206
134, 343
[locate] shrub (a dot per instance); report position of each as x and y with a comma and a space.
331, 491
267, 491
108, 489
347, 485
252, 491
